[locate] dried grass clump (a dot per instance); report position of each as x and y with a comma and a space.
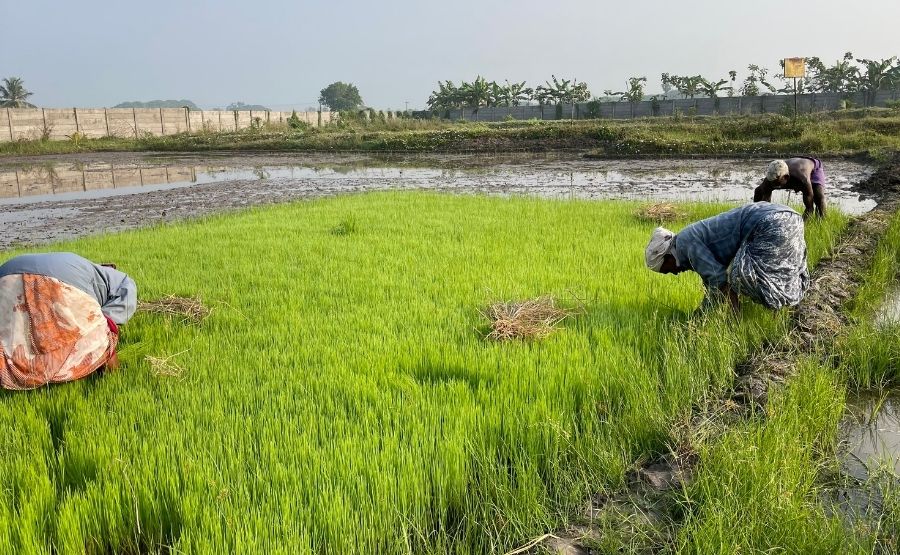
532, 319
164, 367
660, 212
188, 309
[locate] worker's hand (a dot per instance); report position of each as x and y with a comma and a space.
112, 363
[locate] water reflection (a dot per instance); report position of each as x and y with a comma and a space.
546, 176
873, 433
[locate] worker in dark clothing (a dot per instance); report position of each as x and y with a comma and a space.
804, 175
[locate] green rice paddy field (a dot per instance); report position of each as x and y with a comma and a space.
341, 398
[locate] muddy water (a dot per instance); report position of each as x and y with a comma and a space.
870, 431
46, 199
889, 314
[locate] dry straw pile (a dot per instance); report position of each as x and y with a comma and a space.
660, 212
163, 366
190, 310
532, 319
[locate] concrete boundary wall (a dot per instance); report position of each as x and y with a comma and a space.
772, 104
18, 124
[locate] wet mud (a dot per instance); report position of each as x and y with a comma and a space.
48, 199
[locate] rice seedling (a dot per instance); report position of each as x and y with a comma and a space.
348, 226
342, 403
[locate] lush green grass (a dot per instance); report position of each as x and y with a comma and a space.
872, 133
339, 399
870, 354
756, 488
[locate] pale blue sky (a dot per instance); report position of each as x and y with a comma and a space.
280, 54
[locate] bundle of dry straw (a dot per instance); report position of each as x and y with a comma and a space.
532, 319
659, 212
163, 366
188, 309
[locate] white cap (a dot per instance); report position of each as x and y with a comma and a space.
659, 246
776, 170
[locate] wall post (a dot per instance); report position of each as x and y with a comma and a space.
75, 111
106, 118
134, 117
162, 123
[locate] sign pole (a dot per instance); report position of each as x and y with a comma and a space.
795, 97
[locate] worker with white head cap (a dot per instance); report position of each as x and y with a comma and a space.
757, 250
660, 245
802, 174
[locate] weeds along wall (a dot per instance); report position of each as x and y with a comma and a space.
771, 104
62, 123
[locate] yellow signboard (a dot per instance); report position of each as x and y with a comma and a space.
794, 67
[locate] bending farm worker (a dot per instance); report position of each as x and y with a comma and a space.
757, 250
59, 318
804, 175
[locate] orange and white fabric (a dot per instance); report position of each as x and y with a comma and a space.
49, 332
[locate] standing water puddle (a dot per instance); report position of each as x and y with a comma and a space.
52, 199
552, 176
889, 314
871, 430
873, 433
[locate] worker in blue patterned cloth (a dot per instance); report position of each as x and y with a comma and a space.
757, 250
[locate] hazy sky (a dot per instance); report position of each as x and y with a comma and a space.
99, 53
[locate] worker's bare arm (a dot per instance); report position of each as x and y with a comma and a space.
112, 363
763, 192
802, 185
732, 297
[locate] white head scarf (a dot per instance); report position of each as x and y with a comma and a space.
659, 246
776, 169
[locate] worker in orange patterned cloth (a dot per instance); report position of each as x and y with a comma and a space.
59, 318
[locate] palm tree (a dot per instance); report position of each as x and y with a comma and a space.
13, 94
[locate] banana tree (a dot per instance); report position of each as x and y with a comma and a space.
477, 93
447, 96
712, 89
499, 95
687, 86
635, 92
879, 74
518, 93
842, 77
